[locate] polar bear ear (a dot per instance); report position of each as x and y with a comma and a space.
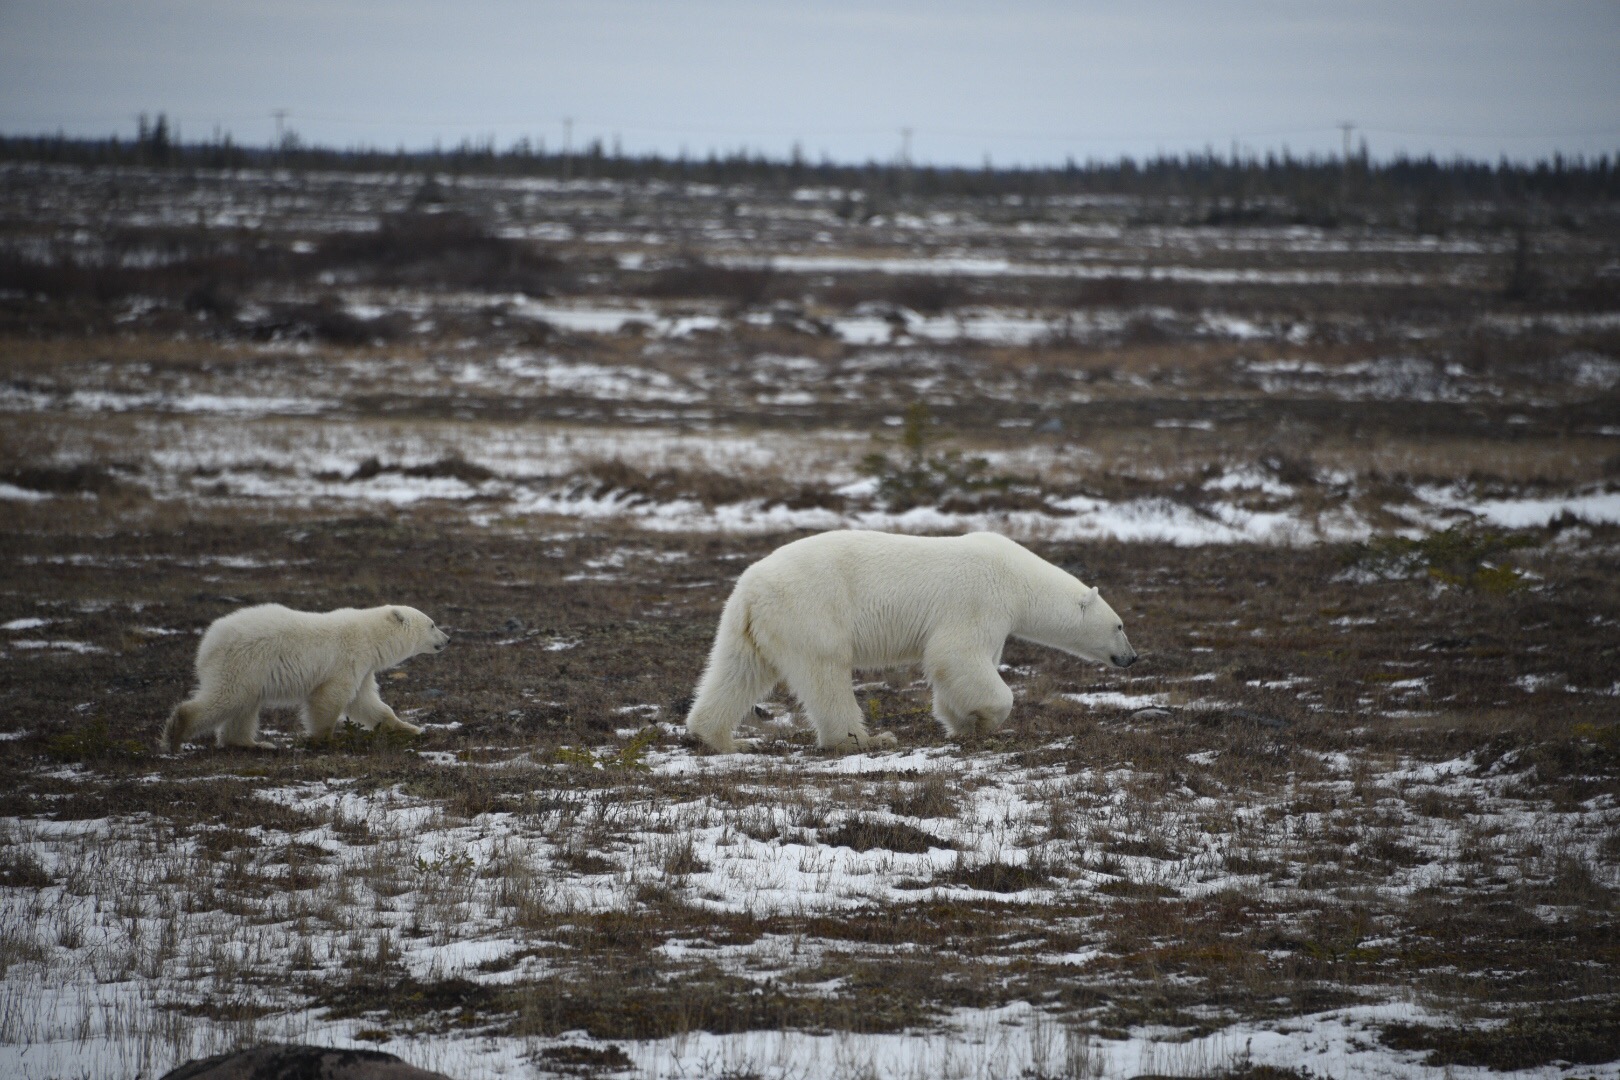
1088, 597
399, 616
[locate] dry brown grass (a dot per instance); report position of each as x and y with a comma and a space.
1357, 784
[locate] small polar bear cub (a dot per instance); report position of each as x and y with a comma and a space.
814, 610
326, 663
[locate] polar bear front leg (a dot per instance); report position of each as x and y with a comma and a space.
969, 697
324, 708
369, 710
824, 688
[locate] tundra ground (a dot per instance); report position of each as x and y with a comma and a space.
1355, 811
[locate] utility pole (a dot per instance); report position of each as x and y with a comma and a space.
568, 147
281, 116
905, 163
1344, 172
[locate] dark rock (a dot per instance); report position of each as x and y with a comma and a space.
284, 1062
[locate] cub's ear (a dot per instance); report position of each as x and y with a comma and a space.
1090, 595
399, 616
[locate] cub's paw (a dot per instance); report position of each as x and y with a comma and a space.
402, 727
730, 745
857, 741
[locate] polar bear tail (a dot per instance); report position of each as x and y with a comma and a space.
736, 677
181, 723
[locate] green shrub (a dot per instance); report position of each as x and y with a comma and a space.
1463, 555
93, 741
632, 755
918, 478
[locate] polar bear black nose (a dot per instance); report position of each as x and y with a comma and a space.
1125, 662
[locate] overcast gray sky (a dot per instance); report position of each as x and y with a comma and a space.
1025, 81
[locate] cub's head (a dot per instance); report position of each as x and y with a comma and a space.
419, 632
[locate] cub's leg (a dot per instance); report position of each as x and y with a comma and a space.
823, 685
239, 727
195, 716
211, 712
969, 696
324, 708
370, 711
184, 722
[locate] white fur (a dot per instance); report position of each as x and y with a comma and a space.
324, 663
814, 610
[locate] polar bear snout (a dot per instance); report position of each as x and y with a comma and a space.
441, 640
1123, 661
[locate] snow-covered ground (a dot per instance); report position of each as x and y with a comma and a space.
1248, 858
535, 469
133, 957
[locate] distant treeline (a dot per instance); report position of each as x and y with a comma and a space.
1241, 184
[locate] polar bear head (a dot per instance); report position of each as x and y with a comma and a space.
410, 632
1070, 616
1101, 633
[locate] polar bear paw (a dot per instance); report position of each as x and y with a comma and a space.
403, 727
732, 746
857, 741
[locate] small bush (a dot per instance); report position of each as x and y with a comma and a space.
1000, 877
447, 249
93, 741
1580, 1035
743, 286
864, 834
21, 870
1463, 555
64, 480
918, 478
453, 467
605, 478
631, 756
326, 320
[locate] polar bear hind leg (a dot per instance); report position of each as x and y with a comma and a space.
369, 710
324, 708
240, 728
186, 720
823, 686
208, 712
970, 697
181, 723
736, 678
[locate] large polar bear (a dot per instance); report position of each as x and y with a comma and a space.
326, 663
813, 610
